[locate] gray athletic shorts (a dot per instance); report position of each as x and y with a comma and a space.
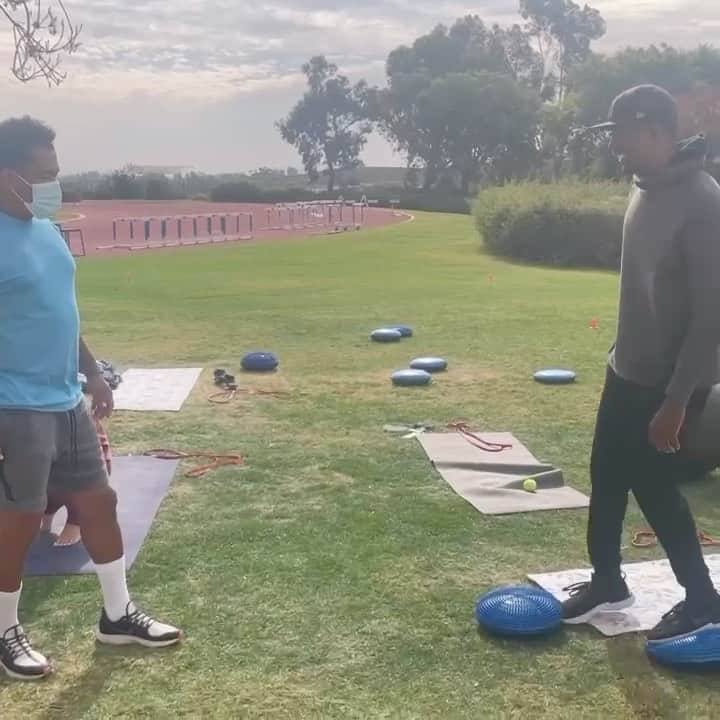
37, 449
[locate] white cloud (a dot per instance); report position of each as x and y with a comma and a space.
153, 46
183, 80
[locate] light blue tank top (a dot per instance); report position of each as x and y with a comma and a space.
39, 319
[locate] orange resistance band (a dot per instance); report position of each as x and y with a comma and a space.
216, 461
647, 538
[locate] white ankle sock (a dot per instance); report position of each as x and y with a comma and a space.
114, 588
9, 603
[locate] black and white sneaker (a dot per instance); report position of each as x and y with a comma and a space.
683, 620
135, 627
18, 659
600, 595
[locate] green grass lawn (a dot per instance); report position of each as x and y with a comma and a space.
335, 575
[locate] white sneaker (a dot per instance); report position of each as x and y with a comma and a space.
136, 627
18, 659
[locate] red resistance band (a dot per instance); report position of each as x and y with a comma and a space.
476, 440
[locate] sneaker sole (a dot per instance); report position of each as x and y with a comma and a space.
118, 640
19, 676
709, 626
604, 608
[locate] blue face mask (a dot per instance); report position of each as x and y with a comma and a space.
47, 199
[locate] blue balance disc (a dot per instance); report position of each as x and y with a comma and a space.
701, 648
519, 610
429, 364
555, 377
411, 377
259, 362
386, 335
404, 330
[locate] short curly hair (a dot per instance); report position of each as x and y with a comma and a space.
19, 137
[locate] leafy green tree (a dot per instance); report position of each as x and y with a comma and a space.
564, 32
473, 120
425, 90
329, 125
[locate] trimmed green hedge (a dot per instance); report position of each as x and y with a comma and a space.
563, 225
430, 201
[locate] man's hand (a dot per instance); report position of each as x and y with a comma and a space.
102, 397
664, 431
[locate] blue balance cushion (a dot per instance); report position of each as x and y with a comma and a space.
519, 610
411, 377
430, 364
404, 330
386, 335
259, 361
555, 377
698, 648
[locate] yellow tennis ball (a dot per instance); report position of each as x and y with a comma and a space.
530, 485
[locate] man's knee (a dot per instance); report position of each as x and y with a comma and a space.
98, 505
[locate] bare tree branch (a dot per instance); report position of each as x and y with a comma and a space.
41, 36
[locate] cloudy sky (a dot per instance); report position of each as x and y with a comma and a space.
202, 86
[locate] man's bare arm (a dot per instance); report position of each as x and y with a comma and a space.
87, 364
102, 396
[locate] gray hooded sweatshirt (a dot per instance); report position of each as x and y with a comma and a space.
669, 318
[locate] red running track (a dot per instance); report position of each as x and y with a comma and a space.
95, 218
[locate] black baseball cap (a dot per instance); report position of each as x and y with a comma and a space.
643, 103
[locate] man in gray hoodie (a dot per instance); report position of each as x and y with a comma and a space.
663, 364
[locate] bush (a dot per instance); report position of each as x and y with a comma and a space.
159, 188
71, 196
431, 201
241, 192
564, 225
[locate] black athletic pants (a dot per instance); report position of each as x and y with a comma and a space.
622, 461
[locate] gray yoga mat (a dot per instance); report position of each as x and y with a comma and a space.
492, 482
652, 584
141, 484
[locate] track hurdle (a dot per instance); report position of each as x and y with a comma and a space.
306, 215
358, 214
173, 230
276, 216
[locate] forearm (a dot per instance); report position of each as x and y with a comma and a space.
86, 361
697, 361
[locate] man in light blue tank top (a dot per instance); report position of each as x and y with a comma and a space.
47, 433
39, 324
